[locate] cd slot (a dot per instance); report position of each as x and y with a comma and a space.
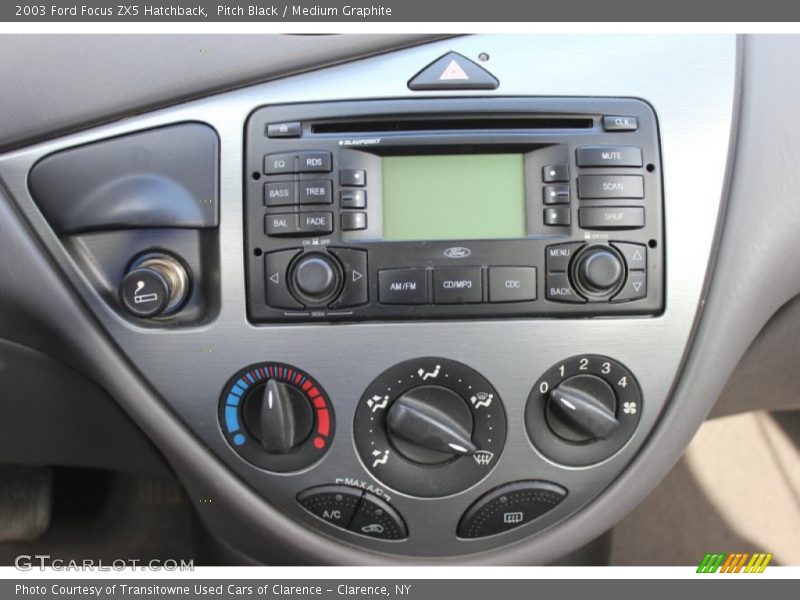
442, 123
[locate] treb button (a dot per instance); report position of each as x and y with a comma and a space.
314, 192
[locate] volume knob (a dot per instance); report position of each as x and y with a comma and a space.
599, 271
315, 279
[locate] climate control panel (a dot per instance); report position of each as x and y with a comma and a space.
432, 431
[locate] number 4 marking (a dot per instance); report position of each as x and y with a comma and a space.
623, 382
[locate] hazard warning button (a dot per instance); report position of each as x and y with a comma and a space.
453, 72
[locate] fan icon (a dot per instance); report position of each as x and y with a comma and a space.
629, 408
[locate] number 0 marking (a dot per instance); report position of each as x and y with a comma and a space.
543, 387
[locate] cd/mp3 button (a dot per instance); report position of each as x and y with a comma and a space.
457, 285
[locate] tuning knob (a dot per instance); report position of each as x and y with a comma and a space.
599, 270
582, 409
315, 279
430, 424
156, 284
278, 415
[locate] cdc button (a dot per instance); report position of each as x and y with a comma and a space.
512, 284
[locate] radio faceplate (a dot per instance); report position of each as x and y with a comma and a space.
574, 226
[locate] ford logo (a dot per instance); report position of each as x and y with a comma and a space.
457, 252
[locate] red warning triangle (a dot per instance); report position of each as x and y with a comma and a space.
453, 71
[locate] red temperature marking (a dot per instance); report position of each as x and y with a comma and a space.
324, 422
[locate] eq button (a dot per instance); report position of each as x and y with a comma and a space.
512, 284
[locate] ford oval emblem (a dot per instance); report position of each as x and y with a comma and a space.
457, 252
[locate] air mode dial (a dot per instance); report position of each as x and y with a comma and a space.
430, 427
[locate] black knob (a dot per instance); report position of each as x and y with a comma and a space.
582, 409
599, 270
278, 415
155, 284
316, 278
430, 424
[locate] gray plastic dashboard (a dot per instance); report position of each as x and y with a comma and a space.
169, 379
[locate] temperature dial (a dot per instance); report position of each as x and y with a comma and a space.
276, 416
583, 410
430, 427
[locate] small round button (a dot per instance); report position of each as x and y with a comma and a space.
144, 292
316, 278
599, 270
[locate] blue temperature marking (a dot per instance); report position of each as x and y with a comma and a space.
236, 391
238, 439
233, 400
231, 419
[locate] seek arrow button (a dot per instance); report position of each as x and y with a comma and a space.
276, 264
356, 289
635, 287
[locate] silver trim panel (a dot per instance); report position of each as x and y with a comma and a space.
689, 80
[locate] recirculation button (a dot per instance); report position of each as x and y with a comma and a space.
358, 511
508, 507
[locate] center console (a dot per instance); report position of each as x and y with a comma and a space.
376, 322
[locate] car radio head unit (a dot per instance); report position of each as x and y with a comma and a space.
453, 208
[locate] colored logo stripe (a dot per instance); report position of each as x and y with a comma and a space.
734, 563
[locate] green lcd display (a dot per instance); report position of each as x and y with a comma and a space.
453, 197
